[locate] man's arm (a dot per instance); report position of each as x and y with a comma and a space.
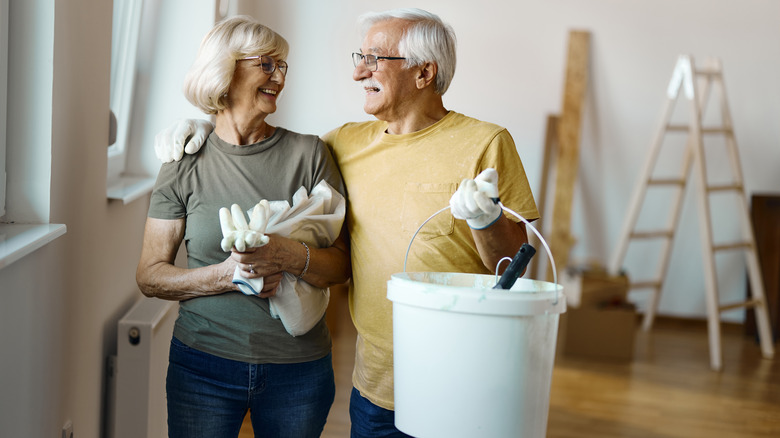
502, 239
187, 135
494, 234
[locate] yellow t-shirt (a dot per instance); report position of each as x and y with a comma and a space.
394, 183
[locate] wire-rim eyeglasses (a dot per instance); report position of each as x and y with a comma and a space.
371, 61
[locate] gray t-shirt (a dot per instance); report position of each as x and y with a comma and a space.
233, 325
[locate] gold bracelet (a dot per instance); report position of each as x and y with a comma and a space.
308, 258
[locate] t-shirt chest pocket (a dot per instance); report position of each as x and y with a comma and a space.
421, 200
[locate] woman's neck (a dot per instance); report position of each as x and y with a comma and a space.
241, 130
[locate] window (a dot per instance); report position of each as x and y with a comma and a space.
25, 223
124, 50
3, 96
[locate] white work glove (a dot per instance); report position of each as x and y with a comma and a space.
476, 200
169, 143
236, 232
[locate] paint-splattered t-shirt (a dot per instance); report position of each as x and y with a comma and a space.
394, 183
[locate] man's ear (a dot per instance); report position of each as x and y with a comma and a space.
426, 75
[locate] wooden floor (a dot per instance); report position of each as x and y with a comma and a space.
667, 391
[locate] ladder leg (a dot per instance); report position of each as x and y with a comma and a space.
640, 189
755, 277
673, 220
705, 221
710, 276
652, 308
713, 329
757, 293
635, 206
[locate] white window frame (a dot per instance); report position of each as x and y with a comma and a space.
3, 97
22, 229
124, 51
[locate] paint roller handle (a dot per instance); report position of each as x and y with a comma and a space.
516, 266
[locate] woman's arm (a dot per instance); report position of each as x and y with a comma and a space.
158, 277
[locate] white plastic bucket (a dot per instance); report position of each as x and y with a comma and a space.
469, 360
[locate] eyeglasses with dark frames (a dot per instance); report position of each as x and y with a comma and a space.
371, 60
268, 64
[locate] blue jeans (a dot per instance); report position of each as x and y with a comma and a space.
208, 396
370, 420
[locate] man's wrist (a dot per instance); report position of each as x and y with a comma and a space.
484, 221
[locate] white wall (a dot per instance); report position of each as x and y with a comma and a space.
59, 305
511, 61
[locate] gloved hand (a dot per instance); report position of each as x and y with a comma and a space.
476, 200
236, 232
169, 143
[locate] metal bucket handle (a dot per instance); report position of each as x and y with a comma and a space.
512, 212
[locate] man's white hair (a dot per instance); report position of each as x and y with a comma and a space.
427, 39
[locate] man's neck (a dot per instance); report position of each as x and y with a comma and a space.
418, 119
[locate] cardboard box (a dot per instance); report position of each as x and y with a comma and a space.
600, 323
601, 333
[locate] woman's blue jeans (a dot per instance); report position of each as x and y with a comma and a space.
209, 396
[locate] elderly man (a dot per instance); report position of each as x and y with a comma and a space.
400, 169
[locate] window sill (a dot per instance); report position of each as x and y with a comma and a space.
129, 188
16, 240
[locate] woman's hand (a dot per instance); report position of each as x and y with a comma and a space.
270, 285
326, 266
264, 260
268, 261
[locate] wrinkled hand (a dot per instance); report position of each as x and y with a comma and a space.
236, 232
169, 143
476, 200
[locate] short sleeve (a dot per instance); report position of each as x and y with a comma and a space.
513, 188
166, 203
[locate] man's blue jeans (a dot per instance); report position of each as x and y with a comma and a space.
208, 396
370, 420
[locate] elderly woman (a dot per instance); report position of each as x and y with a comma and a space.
228, 354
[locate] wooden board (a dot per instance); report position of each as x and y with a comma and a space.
567, 160
542, 197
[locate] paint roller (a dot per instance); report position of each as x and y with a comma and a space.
516, 266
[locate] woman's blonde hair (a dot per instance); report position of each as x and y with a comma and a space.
207, 82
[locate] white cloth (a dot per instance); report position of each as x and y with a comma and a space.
315, 219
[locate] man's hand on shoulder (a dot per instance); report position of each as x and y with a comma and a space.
171, 143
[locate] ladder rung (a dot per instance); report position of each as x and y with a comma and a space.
725, 187
748, 303
730, 246
686, 128
707, 72
652, 234
717, 130
666, 182
645, 285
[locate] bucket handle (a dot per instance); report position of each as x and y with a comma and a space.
512, 212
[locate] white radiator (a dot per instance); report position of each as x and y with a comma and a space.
143, 341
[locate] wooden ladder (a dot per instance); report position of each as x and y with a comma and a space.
696, 86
